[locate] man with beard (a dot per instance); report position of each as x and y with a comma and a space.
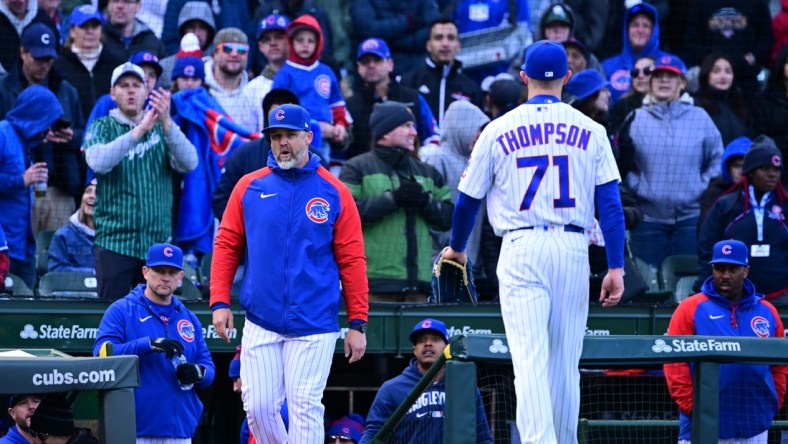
424, 421
226, 76
293, 269
174, 361
728, 305
273, 44
21, 408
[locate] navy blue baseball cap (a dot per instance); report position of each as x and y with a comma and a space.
272, 22
165, 255
585, 83
288, 116
545, 60
40, 41
730, 252
669, 62
13, 400
373, 46
85, 13
432, 325
140, 58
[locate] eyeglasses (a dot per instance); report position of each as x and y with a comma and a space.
645, 71
343, 437
240, 48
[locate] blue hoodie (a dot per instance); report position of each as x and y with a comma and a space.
162, 408
711, 314
34, 111
423, 423
13, 437
617, 68
737, 147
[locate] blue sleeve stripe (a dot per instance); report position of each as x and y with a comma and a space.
465, 211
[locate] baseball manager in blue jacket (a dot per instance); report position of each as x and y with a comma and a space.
154, 325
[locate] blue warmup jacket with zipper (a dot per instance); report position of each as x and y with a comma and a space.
162, 408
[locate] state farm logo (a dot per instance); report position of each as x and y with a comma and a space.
498, 346
660, 346
28, 332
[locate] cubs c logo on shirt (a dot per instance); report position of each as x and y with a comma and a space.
186, 330
323, 85
760, 326
620, 80
317, 210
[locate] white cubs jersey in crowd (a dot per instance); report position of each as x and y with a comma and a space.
538, 165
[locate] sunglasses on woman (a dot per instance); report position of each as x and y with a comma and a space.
228, 48
645, 71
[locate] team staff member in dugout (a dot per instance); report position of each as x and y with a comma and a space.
299, 229
728, 305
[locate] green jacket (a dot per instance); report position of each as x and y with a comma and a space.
397, 241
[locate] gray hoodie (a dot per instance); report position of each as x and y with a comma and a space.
677, 150
460, 123
190, 11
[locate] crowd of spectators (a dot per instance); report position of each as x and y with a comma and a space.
669, 105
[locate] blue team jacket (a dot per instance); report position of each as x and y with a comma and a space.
423, 424
162, 408
748, 392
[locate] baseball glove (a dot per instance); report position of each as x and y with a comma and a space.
452, 282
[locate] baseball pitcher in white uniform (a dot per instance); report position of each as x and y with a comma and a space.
543, 166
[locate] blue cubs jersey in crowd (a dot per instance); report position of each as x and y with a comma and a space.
316, 86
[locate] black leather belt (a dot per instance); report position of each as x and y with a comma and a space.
567, 228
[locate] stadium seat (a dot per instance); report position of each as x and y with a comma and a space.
676, 267
15, 286
684, 288
68, 284
188, 291
649, 273
43, 239
205, 268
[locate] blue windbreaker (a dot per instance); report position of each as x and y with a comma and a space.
34, 111
162, 408
750, 394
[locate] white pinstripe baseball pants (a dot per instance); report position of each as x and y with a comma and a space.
275, 367
544, 302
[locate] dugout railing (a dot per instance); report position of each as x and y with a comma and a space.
707, 352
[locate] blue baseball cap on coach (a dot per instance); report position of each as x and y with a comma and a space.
429, 324
545, 60
165, 255
730, 252
288, 116
39, 40
373, 46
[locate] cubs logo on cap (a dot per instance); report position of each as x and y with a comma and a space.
288, 116
776, 161
272, 22
730, 252
165, 255
429, 324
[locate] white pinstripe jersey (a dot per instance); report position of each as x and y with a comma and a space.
538, 165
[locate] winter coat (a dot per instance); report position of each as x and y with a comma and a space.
71, 248
668, 154
393, 266
718, 185
35, 111
89, 85
228, 13
142, 39
11, 31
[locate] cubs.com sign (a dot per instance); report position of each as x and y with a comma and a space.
680, 345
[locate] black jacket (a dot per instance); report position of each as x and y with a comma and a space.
728, 220
65, 162
143, 40
770, 117
90, 86
360, 107
428, 80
